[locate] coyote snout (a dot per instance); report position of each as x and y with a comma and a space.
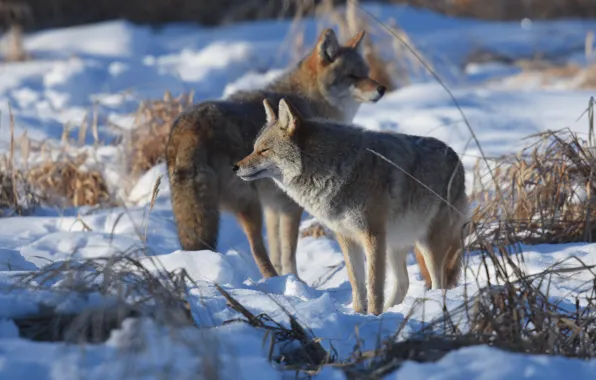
367, 90
255, 166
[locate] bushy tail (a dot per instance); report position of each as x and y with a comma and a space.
193, 184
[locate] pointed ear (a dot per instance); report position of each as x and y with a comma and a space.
356, 41
289, 118
271, 117
327, 46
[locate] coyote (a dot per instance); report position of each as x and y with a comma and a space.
379, 192
207, 139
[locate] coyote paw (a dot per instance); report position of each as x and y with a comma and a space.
358, 307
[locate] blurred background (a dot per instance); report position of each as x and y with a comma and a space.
38, 14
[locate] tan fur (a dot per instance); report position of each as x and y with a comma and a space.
210, 137
374, 240
352, 251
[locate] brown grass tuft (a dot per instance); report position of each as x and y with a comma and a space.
547, 192
316, 230
149, 137
16, 194
66, 183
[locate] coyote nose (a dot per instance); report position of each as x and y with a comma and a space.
381, 90
235, 168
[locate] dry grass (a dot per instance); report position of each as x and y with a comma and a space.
62, 182
61, 179
547, 192
127, 286
306, 356
16, 195
66, 179
316, 230
65, 183
123, 289
586, 77
148, 139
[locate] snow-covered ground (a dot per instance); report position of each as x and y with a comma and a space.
110, 67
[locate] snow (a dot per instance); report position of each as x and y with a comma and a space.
472, 363
109, 67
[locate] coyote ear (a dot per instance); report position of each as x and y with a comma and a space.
271, 117
327, 46
289, 117
356, 41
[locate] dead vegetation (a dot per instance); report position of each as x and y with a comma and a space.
57, 178
16, 195
546, 191
66, 183
147, 141
308, 356
128, 289
315, 230
63, 182
132, 286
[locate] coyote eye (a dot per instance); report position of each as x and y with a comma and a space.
263, 151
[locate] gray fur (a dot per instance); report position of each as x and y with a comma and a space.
336, 172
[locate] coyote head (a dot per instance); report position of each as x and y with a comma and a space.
340, 72
276, 153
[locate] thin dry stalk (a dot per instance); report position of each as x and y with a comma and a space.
153, 121
309, 356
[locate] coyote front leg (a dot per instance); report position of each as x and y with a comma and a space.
374, 245
289, 226
273, 236
354, 258
251, 220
